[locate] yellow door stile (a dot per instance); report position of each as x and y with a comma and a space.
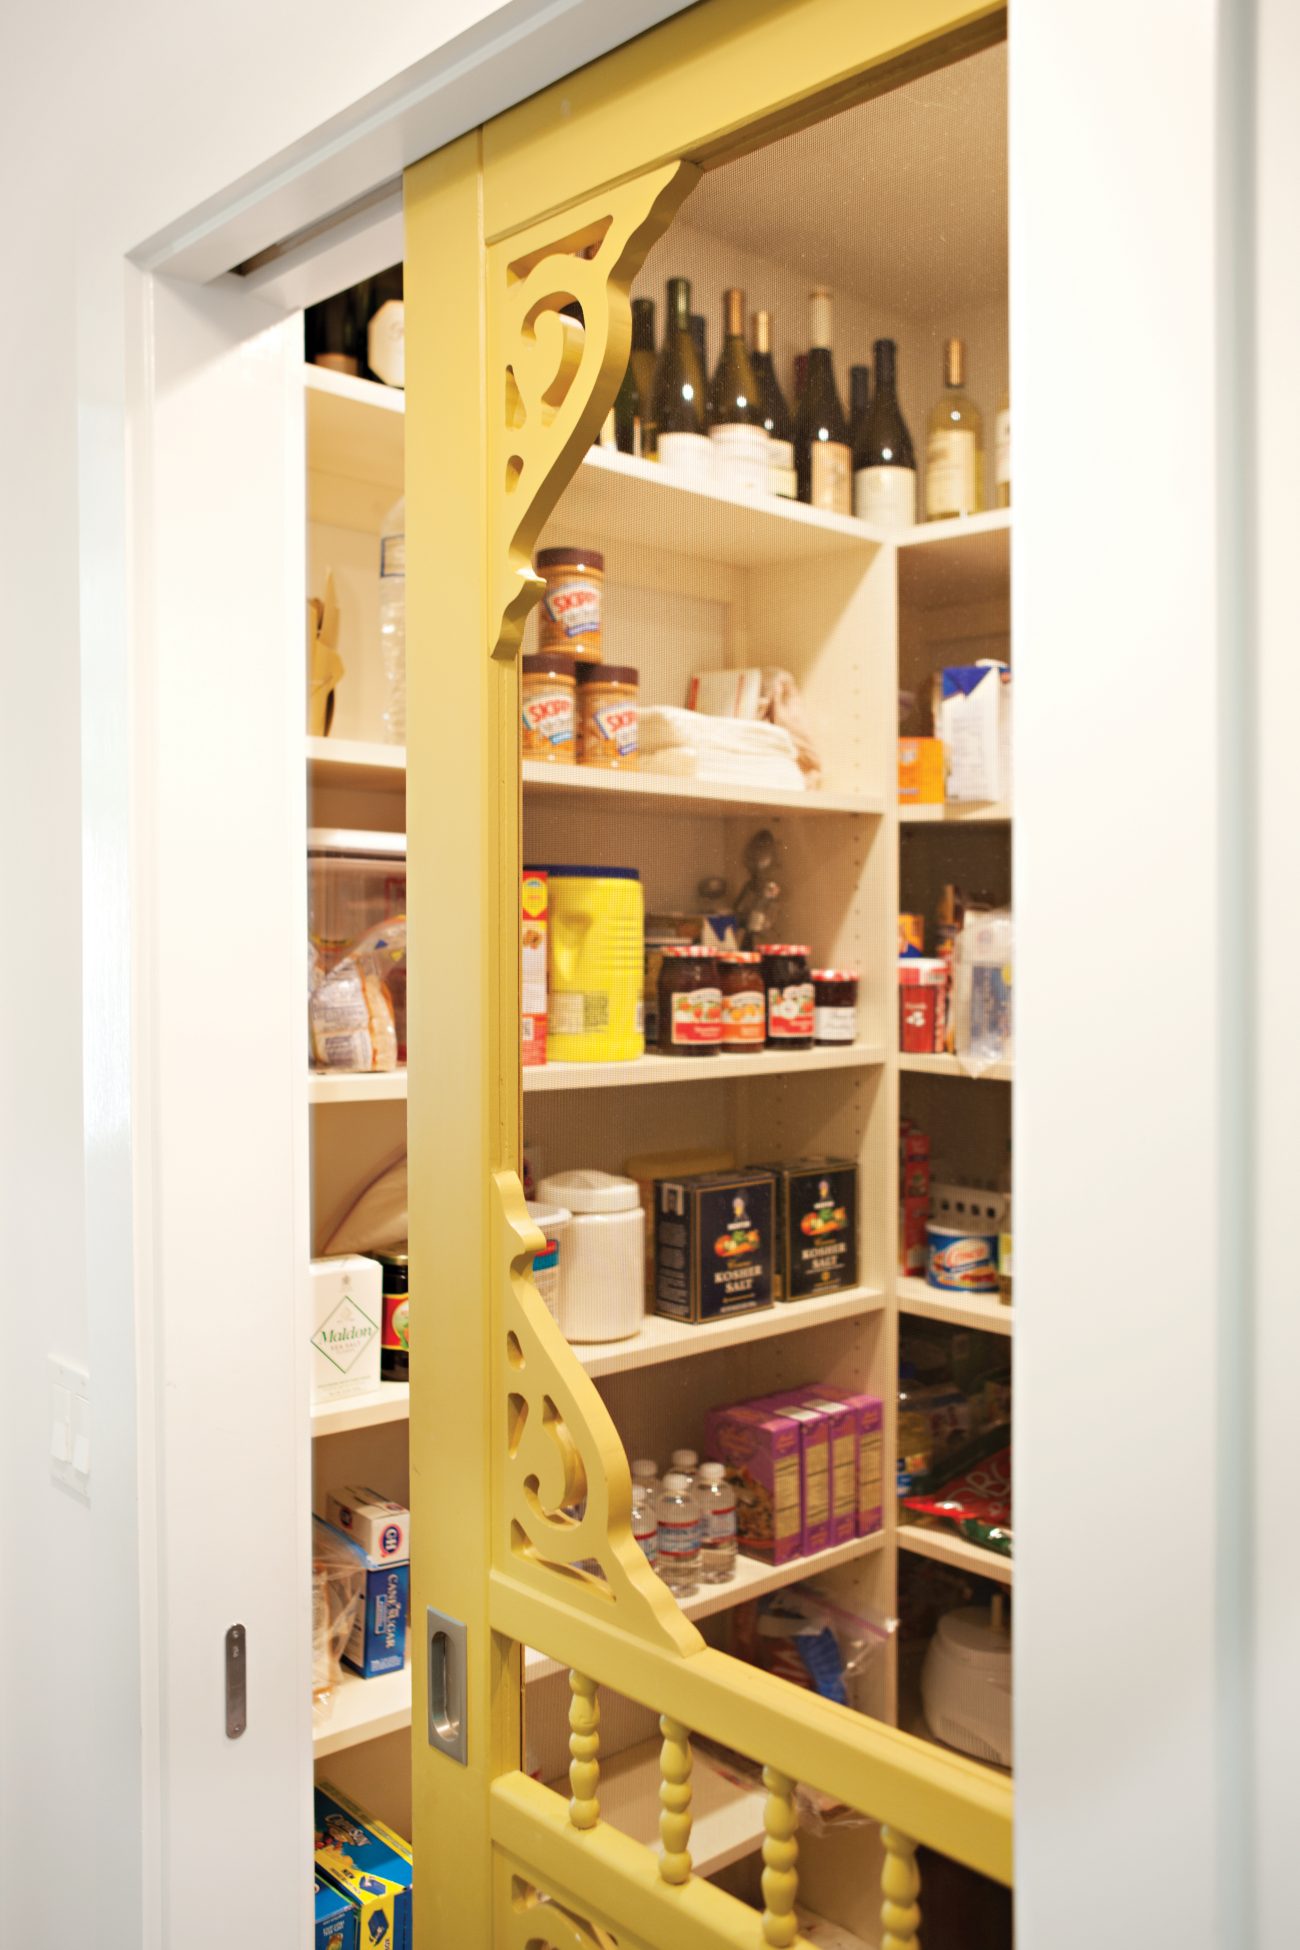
558, 200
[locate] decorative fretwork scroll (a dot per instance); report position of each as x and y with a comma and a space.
565, 1527
555, 376
534, 1921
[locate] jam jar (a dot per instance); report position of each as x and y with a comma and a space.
835, 1005
744, 999
690, 1003
395, 1335
788, 982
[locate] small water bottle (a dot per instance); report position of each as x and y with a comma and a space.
678, 1537
646, 1473
645, 1520
392, 620
717, 1501
685, 1462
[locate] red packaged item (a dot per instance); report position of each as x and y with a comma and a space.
977, 1502
922, 1005
532, 966
913, 1238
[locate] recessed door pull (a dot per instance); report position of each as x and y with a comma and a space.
445, 1639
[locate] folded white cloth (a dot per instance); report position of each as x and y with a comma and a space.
730, 751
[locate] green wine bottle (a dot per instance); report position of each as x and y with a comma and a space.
681, 443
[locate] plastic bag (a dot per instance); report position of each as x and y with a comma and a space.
977, 1502
981, 991
338, 1590
354, 1020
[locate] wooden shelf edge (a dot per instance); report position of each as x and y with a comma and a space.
390, 1402
980, 1310
954, 1551
364, 1709
948, 1066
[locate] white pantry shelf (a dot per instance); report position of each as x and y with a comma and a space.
957, 528
946, 1547
661, 1339
924, 1065
752, 1579
654, 1068
390, 1402
359, 764
956, 812
982, 1310
356, 429
726, 1816
654, 792
364, 1709
356, 1086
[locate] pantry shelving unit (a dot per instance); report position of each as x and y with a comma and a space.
695, 578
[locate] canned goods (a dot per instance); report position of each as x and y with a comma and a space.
395, 1334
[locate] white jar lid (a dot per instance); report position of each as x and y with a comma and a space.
547, 1215
675, 1481
970, 1637
590, 1191
712, 1472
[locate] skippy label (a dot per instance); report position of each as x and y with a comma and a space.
576, 608
790, 1011
549, 715
617, 725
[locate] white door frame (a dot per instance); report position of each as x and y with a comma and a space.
1128, 1438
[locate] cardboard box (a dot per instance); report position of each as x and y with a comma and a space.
920, 771
870, 1416
647, 1167
335, 1919
380, 1526
347, 1305
814, 1466
913, 1239
714, 1244
842, 1458
369, 1865
761, 1453
923, 1005
975, 726
534, 909
911, 934
816, 1227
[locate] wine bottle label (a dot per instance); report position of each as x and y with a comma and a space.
885, 496
950, 473
687, 456
832, 477
386, 343
740, 458
1002, 448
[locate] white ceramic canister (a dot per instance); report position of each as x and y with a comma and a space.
602, 1263
554, 1221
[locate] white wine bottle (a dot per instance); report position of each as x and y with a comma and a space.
954, 451
735, 421
822, 455
775, 414
884, 465
681, 443
1002, 453
632, 408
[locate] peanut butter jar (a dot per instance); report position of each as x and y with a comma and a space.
607, 716
570, 613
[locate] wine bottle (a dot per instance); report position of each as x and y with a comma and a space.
954, 460
735, 421
774, 412
859, 402
386, 329
681, 443
700, 340
1002, 453
632, 408
333, 332
884, 465
821, 440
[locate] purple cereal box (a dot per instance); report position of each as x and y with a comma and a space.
761, 1453
814, 1463
870, 1419
842, 1424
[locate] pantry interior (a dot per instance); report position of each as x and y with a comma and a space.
898, 205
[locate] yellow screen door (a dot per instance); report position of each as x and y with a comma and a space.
520, 1486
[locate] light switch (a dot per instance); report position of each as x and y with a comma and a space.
70, 1427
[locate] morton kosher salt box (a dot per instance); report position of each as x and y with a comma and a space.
816, 1227
346, 1314
713, 1244
370, 1865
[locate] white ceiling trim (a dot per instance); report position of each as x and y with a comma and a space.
522, 47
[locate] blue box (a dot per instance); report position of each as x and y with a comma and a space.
378, 1641
369, 1866
336, 1920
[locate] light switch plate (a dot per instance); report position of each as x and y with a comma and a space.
70, 1428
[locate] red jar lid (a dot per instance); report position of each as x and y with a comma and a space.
746, 955
689, 952
835, 975
785, 948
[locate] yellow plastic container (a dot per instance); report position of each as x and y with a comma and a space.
597, 956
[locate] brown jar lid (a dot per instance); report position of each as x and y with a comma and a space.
571, 558
590, 672
549, 663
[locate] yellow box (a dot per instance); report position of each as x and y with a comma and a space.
920, 771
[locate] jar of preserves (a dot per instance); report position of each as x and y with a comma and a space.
607, 715
547, 686
788, 982
690, 1003
570, 613
835, 1005
395, 1334
744, 999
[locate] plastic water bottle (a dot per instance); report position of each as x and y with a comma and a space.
645, 1520
685, 1462
646, 1472
392, 619
717, 1501
678, 1511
